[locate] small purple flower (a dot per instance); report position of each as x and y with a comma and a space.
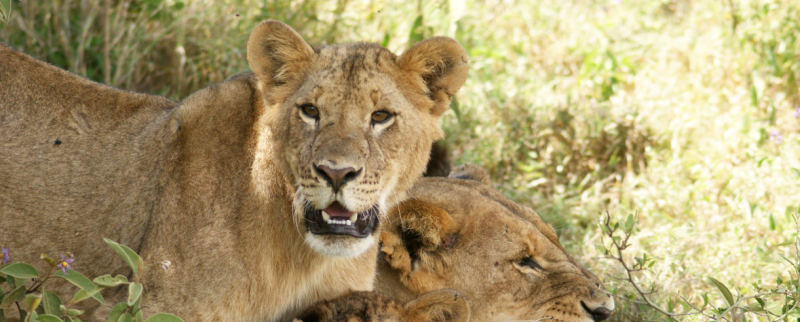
777, 137
165, 265
5, 256
65, 263
797, 112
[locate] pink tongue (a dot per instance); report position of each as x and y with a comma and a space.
336, 210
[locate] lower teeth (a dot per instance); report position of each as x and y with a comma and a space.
339, 222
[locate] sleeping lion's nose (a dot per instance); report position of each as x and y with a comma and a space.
600, 312
337, 177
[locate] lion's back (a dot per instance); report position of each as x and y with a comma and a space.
75, 160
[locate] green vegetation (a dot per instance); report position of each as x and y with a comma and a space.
25, 292
684, 113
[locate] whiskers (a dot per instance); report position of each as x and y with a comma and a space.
298, 202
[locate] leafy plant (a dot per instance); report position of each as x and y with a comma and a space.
34, 302
777, 303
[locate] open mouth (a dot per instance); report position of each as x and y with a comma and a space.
337, 220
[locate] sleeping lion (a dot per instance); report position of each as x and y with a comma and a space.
460, 233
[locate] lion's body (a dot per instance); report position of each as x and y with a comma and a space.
54, 194
461, 233
216, 184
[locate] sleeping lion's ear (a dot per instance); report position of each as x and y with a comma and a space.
277, 53
416, 231
470, 171
438, 306
438, 66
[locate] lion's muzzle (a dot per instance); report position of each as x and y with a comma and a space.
336, 177
337, 220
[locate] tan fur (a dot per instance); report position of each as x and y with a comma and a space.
465, 235
213, 185
436, 306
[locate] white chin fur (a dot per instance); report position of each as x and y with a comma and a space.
355, 247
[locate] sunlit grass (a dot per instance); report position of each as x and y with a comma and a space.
681, 112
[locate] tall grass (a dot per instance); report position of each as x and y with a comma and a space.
681, 112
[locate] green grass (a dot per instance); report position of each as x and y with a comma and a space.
667, 109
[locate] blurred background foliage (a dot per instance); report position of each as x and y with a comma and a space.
684, 112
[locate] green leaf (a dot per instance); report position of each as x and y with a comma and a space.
82, 282
108, 281
78, 279
722, 288
771, 222
51, 303
134, 292
48, 318
84, 294
33, 301
163, 317
386, 38
116, 312
686, 306
796, 173
5, 10
74, 312
629, 223
417, 31
139, 316
125, 318
18, 294
771, 113
128, 255
20, 270
760, 302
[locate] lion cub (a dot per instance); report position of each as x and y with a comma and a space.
266, 191
437, 306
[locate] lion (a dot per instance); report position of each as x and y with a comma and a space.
265, 192
437, 306
461, 233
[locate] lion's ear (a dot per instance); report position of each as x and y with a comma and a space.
438, 306
416, 230
277, 53
471, 171
438, 66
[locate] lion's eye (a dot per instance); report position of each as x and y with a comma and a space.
310, 110
530, 262
381, 117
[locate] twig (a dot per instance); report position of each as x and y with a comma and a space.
621, 243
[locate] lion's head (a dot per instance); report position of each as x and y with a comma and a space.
463, 234
436, 306
350, 126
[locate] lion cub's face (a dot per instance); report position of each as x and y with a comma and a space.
465, 235
351, 126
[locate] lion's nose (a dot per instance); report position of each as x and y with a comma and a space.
337, 177
599, 313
